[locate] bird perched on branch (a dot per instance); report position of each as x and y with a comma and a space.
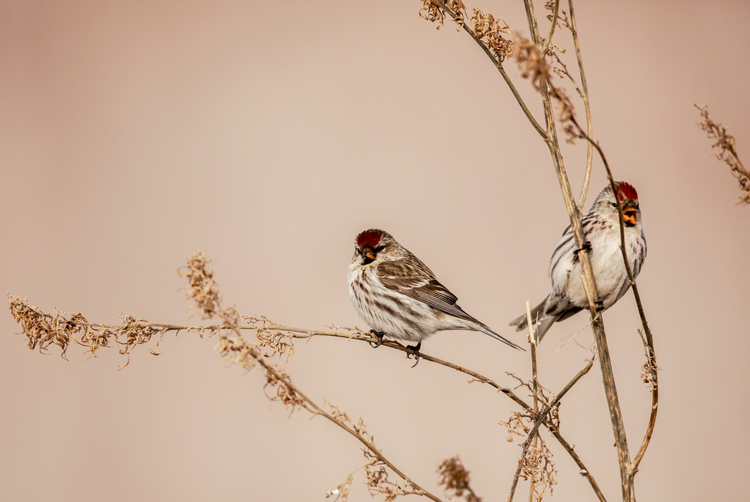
601, 226
397, 295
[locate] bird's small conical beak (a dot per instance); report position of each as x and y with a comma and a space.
630, 213
368, 254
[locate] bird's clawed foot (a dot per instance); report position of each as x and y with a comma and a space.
379, 335
586, 246
599, 306
414, 352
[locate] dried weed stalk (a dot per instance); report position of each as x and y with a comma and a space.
378, 483
279, 385
455, 478
61, 329
725, 144
535, 463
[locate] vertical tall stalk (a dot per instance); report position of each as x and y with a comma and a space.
605, 362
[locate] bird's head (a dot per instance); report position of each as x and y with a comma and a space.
607, 204
371, 245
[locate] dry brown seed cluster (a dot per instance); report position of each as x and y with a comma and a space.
203, 290
42, 329
435, 11
537, 465
61, 329
490, 31
378, 483
455, 478
276, 340
531, 62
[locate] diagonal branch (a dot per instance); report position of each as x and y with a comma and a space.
542, 420
496, 62
43, 330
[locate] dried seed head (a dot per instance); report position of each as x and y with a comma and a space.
725, 144
203, 290
455, 478
490, 31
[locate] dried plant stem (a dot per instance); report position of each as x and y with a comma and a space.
206, 296
548, 38
535, 392
542, 420
498, 65
426, 357
725, 143
648, 338
317, 410
59, 329
605, 362
653, 370
584, 93
535, 387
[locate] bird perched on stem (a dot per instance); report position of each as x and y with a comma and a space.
397, 295
601, 226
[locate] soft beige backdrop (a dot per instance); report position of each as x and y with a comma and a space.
269, 134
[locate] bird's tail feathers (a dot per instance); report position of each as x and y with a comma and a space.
484, 329
536, 314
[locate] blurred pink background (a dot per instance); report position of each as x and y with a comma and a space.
269, 134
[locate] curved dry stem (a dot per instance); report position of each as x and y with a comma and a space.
725, 144
498, 64
651, 371
584, 92
542, 420
652, 368
271, 335
548, 38
367, 442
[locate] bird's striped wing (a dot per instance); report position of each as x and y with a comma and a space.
413, 279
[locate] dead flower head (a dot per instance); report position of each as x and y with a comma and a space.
42, 329
376, 472
531, 62
455, 478
203, 290
538, 467
490, 31
62, 329
341, 492
435, 11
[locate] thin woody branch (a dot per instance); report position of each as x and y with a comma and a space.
497, 62
650, 367
541, 419
586, 105
273, 339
